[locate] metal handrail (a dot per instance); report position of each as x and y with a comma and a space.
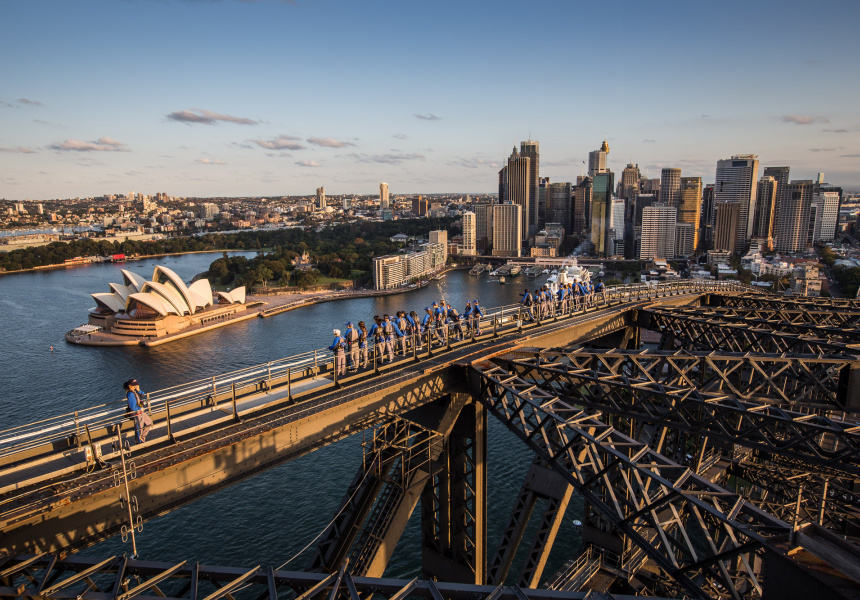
27, 436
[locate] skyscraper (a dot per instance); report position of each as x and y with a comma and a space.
781, 175
558, 204
531, 150
630, 177
658, 232
383, 196
601, 213
543, 189
519, 188
764, 210
469, 234
827, 213
706, 228
581, 216
507, 230
320, 201
726, 227
793, 225
597, 160
689, 205
736, 182
483, 226
670, 186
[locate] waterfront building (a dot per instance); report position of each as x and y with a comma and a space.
383, 196
670, 186
483, 226
690, 206
658, 231
161, 306
395, 270
470, 246
735, 181
507, 230
440, 237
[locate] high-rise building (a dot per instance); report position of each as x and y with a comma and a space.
781, 175
630, 178
726, 226
597, 160
689, 205
793, 223
581, 217
826, 214
531, 150
320, 201
507, 230
765, 205
518, 186
483, 226
40, 210
670, 186
542, 200
389, 271
419, 206
658, 232
685, 237
601, 213
383, 196
470, 247
707, 218
440, 237
642, 201
736, 182
558, 204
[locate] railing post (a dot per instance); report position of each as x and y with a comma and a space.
235, 412
415, 339
269, 369
429, 339
334, 369
289, 384
77, 430
315, 360
375, 357
214, 392
447, 336
169, 429
495, 321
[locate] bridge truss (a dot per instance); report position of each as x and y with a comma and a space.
723, 462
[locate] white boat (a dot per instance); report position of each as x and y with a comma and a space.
494, 273
569, 272
545, 272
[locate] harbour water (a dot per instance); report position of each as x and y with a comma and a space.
269, 518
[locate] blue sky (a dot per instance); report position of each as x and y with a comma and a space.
223, 98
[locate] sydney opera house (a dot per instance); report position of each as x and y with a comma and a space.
162, 306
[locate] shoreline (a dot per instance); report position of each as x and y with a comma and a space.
286, 304
87, 264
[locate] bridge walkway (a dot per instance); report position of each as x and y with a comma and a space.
37, 486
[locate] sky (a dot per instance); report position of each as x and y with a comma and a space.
269, 97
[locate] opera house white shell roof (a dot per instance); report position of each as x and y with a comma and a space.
166, 294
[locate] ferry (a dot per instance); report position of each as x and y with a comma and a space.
476, 270
502, 280
569, 272
533, 271
516, 270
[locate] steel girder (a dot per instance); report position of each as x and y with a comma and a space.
123, 578
784, 302
782, 380
799, 497
795, 325
704, 537
843, 319
697, 333
629, 391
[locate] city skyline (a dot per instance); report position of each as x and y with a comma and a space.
276, 98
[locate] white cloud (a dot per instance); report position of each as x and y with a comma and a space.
804, 119
207, 117
308, 163
104, 144
282, 142
210, 161
328, 142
